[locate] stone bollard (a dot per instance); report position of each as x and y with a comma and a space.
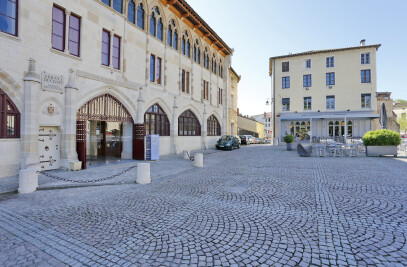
27, 181
143, 173
185, 154
198, 160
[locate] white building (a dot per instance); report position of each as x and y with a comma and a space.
329, 93
85, 80
266, 119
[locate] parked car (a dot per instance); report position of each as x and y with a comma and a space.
228, 142
244, 139
254, 140
261, 141
240, 140
268, 141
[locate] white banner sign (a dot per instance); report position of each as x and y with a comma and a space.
52, 82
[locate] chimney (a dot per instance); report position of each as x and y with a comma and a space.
362, 42
238, 111
265, 114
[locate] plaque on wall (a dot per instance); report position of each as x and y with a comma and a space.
52, 82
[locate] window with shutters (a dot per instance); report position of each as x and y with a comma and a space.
155, 69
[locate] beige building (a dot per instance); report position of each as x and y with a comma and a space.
249, 126
385, 97
88, 80
266, 119
330, 93
233, 93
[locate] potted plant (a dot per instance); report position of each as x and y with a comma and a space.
288, 139
381, 142
303, 134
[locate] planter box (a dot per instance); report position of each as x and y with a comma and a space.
376, 151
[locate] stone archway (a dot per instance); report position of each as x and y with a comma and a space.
101, 125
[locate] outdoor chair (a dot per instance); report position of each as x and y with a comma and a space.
338, 150
319, 150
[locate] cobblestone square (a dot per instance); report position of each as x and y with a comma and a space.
256, 206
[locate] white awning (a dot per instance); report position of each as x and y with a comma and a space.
329, 115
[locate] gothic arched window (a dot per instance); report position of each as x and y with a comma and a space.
213, 126
140, 16
156, 121
131, 12
9, 117
188, 124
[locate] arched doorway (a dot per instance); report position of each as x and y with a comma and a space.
101, 125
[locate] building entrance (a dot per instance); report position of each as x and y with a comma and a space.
105, 140
104, 130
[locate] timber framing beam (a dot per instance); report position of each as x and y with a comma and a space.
184, 11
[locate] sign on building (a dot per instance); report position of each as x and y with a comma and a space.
52, 82
153, 147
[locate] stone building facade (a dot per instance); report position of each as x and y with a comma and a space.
385, 97
90, 79
233, 94
329, 93
249, 126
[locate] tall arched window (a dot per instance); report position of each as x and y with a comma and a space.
9, 117
220, 68
188, 49
214, 63
156, 24
160, 29
330, 129
152, 25
118, 5
186, 45
188, 124
140, 16
213, 126
194, 53
350, 129
169, 33
183, 45
175, 41
172, 38
131, 12
156, 121
206, 58
197, 52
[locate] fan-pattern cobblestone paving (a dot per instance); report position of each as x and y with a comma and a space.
257, 206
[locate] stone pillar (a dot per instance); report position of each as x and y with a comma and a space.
143, 173
198, 160
174, 128
28, 177
140, 107
30, 119
68, 144
127, 141
204, 128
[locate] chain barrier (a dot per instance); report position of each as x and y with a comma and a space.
88, 181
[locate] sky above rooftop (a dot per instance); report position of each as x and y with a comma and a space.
260, 29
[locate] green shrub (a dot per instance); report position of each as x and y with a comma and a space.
288, 139
381, 138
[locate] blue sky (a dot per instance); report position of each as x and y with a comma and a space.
260, 29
